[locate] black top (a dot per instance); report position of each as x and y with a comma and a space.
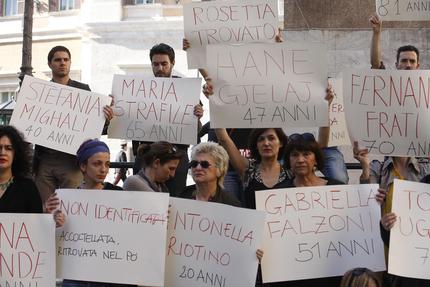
110, 186
21, 196
330, 181
221, 196
253, 182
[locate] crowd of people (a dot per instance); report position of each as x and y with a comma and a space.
274, 161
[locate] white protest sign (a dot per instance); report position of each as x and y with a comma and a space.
338, 130
212, 244
387, 112
155, 109
27, 250
218, 22
268, 85
409, 240
107, 231
320, 231
58, 116
403, 10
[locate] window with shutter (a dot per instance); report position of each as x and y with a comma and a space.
63, 5
10, 7
53, 5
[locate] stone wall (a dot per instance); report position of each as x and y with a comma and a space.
344, 27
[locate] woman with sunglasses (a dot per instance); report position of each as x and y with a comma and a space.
209, 165
160, 160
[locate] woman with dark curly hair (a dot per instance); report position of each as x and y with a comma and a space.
18, 193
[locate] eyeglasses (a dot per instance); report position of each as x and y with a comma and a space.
203, 164
6, 147
302, 137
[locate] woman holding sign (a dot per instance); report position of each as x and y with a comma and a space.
18, 193
304, 157
209, 165
93, 158
160, 160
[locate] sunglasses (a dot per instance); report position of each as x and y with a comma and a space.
302, 137
203, 164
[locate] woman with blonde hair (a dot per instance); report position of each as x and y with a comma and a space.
360, 277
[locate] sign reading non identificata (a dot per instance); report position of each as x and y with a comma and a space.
320, 231
212, 244
387, 112
410, 236
27, 250
218, 22
155, 109
268, 85
403, 10
107, 231
58, 116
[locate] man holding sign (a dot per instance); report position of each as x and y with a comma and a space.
56, 169
393, 167
163, 60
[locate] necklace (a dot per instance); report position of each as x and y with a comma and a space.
4, 186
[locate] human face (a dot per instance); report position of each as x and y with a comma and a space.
408, 60
268, 144
204, 175
7, 153
302, 163
163, 172
60, 64
161, 65
96, 168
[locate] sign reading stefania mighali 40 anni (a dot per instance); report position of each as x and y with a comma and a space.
387, 111
268, 85
58, 116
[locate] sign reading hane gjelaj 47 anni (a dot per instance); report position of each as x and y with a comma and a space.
268, 85
58, 116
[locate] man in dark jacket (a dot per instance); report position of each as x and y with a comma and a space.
55, 169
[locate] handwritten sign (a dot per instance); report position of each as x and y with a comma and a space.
403, 10
218, 22
107, 231
338, 130
27, 253
320, 231
211, 244
387, 112
268, 85
58, 116
409, 240
155, 109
